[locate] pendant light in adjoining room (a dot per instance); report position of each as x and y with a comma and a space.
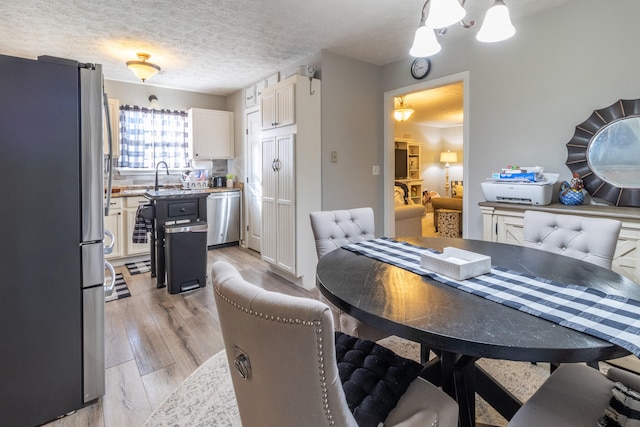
403, 112
142, 69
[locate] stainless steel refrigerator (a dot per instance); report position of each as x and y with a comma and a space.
51, 236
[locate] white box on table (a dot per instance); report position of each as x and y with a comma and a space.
456, 263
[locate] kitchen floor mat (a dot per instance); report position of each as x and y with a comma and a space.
121, 290
139, 267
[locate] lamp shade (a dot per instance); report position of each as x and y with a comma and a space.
444, 13
497, 25
142, 69
402, 114
425, 43
448, 157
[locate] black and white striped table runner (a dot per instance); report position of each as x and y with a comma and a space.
613, 318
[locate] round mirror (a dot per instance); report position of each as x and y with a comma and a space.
605, 153
614, 153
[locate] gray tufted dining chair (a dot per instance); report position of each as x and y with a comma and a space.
332, 230
574, 395
588, 239
284, 366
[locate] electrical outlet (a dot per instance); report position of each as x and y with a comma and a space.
376, 169
334, 157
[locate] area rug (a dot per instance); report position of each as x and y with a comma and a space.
138, 267
206, 397
121, 290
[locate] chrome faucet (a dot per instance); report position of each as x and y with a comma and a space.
161, 162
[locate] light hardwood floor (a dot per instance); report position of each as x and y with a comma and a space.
154, 340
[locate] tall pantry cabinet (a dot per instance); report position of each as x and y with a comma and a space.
291, 176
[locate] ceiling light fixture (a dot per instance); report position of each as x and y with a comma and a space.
441, 14
403, 112
142, 69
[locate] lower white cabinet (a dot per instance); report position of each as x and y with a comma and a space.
130, 208
113, 223
503, 222
121, 222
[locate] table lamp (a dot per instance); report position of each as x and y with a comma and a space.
446, 157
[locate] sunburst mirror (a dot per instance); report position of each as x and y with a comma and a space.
605, 153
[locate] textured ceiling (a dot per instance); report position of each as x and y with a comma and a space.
220, 46
438, 107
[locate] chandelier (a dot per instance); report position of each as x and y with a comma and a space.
142, 69
441, 14
403, 112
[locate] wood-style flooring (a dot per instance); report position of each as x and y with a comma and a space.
154, 340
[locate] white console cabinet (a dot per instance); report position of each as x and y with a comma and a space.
503, 222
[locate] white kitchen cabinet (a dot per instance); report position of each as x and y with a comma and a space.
278, 201
114, 119
277, 105
113, 223
291, 183
210, 134
130, 209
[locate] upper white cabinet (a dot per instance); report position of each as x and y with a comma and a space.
210, 134
114, 121
277, 105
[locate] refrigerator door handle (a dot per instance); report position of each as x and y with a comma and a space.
109, 168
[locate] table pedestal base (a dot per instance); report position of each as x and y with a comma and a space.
461, 378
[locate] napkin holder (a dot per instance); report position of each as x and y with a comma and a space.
456, 263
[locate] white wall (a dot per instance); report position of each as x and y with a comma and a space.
526, 95
352, 126
172, 99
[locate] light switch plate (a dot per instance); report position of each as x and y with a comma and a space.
334, 157
376, 169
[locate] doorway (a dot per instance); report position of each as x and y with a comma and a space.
438, 125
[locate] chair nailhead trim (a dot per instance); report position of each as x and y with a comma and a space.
315, 323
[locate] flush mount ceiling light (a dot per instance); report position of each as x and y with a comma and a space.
142, 69
441, 14
403, 112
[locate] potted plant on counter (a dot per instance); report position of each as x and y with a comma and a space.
229, 180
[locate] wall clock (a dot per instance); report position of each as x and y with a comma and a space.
420, 67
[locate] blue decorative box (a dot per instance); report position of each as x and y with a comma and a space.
523, 176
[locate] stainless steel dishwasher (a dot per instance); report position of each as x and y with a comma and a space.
223, 217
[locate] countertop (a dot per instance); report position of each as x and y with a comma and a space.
136, 190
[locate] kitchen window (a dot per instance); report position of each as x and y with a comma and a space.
148, 136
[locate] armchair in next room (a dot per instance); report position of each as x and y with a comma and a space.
408, 215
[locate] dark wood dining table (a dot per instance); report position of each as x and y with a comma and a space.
462, 328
